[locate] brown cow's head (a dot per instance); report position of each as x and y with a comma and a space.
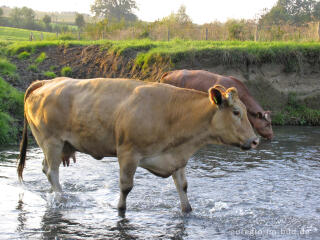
230, 124
261, 121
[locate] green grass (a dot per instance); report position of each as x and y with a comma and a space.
24, 55
7, 68
42, 56
146, 52
18, 34
66, 71
33, 68
11, 111
49, 74
296, 113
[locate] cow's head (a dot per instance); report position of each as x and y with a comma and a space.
261, 121
230, 124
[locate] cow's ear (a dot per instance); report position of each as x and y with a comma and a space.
215, 96
231, 95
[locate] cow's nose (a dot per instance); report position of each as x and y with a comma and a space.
255, 142
251, 143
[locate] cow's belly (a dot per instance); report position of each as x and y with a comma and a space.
163, 165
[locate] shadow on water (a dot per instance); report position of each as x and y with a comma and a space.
268, 193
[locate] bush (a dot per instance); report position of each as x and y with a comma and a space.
49, 74
66, 71
41, 57
24, 55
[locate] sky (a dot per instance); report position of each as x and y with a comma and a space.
200, 11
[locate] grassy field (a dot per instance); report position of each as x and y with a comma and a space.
18, 34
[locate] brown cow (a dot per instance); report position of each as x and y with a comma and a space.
155, 126
203, 80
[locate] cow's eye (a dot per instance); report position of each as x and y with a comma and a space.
236, 112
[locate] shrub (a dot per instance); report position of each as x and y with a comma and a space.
33, 68
52, 68
41, 57
49, 74
24, 55
66, 71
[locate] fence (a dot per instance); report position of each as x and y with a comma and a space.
213, 32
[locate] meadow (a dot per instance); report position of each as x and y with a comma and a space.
18, 34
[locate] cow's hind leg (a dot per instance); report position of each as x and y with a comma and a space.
53, 151
128, 166
180, 181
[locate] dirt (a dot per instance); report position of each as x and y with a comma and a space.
270, 84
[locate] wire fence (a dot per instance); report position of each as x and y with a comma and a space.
211, 32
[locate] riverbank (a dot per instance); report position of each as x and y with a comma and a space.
282, 76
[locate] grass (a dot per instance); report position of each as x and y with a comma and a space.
66, 71
41, 58
18, 34
147, 52
296, 113
33, 68
11, 111
7, 68
49, 74
24, 55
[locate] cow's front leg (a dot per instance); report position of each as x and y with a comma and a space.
180, 181
128, 168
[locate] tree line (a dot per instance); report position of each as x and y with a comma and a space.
116, 19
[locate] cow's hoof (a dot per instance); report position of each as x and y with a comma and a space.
186, 209
122, 212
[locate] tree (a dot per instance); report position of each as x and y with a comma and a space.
79, 21
1, 12
291, 11
182, 17
115, 9
15, 16
47, 20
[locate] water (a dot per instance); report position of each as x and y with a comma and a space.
268, 193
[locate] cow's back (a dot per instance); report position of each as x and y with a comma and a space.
79, 111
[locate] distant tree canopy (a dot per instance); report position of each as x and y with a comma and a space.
79, 21
181, 18
115, 9
1, 12
23, 17
46, 19
293, 12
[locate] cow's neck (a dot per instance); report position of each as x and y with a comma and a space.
190, 128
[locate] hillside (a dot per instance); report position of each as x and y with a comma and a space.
65, 17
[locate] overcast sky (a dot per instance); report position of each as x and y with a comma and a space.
200, 11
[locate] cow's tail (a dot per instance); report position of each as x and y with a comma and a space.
24, 140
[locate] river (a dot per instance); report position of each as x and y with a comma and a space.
268, 193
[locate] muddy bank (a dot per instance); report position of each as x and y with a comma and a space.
269, 83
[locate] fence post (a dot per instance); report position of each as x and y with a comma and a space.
31, 36
206, 33
41, 35
78, 35
57, 34
168, 34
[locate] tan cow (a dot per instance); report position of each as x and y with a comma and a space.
155, 126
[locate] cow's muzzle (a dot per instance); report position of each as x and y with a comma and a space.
251, 143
